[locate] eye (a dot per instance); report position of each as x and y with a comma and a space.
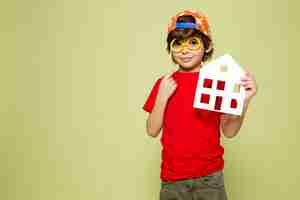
177, 43
194, 42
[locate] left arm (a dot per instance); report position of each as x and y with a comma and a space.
231, 124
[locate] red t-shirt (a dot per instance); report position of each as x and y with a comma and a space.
191, 137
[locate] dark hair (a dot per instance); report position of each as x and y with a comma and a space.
180, 34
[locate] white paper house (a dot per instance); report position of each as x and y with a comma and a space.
218, 87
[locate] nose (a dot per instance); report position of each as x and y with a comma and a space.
184, 50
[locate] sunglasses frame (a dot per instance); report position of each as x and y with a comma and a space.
185, 43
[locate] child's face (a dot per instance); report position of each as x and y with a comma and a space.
188, 53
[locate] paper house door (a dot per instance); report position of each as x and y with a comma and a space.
218, 87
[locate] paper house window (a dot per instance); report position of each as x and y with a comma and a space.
207, 83
223, 68
218, 102
233, 103
205, 98
236, 88
218, 87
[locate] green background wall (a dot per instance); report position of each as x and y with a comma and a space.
75, 74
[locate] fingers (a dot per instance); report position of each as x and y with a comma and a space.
173, 87
250, 87
168, 80
246, 83
168, 85
172, 81
248, 78
249, 83
167, 76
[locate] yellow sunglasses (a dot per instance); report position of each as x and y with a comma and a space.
192, 43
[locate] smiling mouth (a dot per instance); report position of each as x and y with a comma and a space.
187, 59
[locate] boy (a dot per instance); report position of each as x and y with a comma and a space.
192, 155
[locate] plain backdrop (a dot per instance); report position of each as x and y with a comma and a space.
75, 75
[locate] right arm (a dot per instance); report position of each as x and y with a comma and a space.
155, 119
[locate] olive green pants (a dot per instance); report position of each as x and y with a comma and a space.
209, 187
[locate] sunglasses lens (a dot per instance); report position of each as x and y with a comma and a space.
194, 43
176, 45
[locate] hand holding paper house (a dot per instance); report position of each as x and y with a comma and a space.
218, 87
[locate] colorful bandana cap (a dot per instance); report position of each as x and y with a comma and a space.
201, 22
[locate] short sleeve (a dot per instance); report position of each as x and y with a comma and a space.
149, 104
